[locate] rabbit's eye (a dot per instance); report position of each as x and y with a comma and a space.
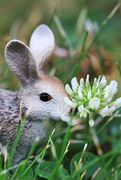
45, 97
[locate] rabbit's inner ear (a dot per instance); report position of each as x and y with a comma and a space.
21, 62
42, 44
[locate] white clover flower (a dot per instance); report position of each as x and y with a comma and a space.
93, 98
74, 84
94, 103
83, 111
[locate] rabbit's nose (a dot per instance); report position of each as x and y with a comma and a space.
74, 111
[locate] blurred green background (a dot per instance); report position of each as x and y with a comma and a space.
19, 18
69, 20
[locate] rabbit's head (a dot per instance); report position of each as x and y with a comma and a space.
41, 93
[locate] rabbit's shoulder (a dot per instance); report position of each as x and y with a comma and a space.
9, 114
9, 103
7, 97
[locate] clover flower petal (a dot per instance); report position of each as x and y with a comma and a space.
117, 103
83, 111
91, 122
110, 90
98, 81
87, 79
94, 103
70, 103
113, 87
80, 93
111, 110
68, 90
74, 84
103, 82
107, 111
95, 80
81, 82
89, 95
104, 111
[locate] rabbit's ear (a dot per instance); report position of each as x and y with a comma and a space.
42, 44
21, 61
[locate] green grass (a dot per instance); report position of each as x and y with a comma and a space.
65, 153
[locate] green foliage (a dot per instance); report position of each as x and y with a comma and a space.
89, 163
47, 169
21, 168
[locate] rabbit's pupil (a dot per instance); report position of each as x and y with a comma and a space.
45, 97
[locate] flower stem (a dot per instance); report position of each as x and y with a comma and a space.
87, 131
65, 141
96, 141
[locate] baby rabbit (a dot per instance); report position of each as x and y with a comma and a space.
40, 94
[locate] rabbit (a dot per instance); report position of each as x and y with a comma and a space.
40, 94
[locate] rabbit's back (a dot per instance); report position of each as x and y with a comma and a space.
9, 115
